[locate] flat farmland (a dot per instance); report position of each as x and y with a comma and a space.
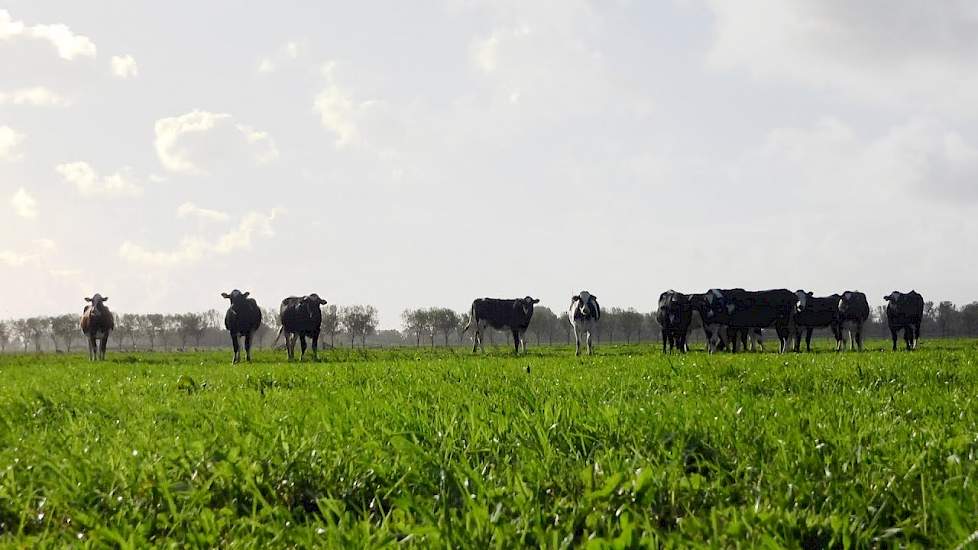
438, 448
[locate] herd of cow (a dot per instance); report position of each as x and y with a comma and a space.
731, 318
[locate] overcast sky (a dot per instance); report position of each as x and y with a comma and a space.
409, 154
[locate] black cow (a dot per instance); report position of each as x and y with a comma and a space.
740, 309
242, 319
905, 312
713, 316
816, 312
674, 316
853, 313
584, 314
301, 318
96, 323
513, 314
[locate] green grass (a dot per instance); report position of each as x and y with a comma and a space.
433, 449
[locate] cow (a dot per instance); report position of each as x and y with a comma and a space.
905, 312
674, 315
584, 314
514, 314
301, 318
741, 309
815, 312
853, 313
242, 319
713, 317
96, 323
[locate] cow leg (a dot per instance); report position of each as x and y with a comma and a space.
916, 334
236, 346
577, 340
665, 338
859, 335
893, 334
102, 345
743, 338
808, 339
908, 337
302, 344
91, 348
248, 346
590, 347
516, 341
315, 345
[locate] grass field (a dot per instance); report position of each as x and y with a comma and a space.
433, 449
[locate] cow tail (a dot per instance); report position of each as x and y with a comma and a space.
469, 323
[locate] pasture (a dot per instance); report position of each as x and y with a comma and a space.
422, 448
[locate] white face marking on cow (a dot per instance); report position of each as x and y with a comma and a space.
730, 308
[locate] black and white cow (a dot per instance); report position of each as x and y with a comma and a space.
674, 315
301, 318
242, 319
740, 309
514, 314
713, 316
584, 314
96, 323
853, 314
815, 312
904, 312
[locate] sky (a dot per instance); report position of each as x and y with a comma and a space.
428, 153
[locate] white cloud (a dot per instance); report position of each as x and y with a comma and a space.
193, 248
904, 54
10, 140
189, 209
38, 96
40, 248
68, 44
287, 52
124, 66
186, 143
91, 184
340, 111
24, 204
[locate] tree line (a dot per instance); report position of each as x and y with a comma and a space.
434, 326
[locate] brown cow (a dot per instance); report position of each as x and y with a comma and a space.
97, 323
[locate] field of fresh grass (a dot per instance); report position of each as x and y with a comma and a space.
440, 448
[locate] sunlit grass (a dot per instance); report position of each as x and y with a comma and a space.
436, 448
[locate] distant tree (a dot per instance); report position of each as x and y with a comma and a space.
147, 327
64, 328
630, 323
22, 329
189, 326
270, 323
359, 320
564, 325
128, 326
542, 322
39, 327
4, 336
946, 318
443, 320
413, 323
331, 323
969, 319
463, 321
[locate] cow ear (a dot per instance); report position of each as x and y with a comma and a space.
223, 295
575, 298
245, 295
105, 298
536, 301
593, 297
322, 302
811, 294
88, 299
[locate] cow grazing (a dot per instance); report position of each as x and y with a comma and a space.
242, 319
584, 314
741, 309
905, 312
853, 314
674, 316
499, 314
96, 323
815, 312
301, 318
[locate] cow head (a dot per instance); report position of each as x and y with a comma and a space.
237, 297
893, 296
583, 301
312, 303
803, 298
97, 300
527, 304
